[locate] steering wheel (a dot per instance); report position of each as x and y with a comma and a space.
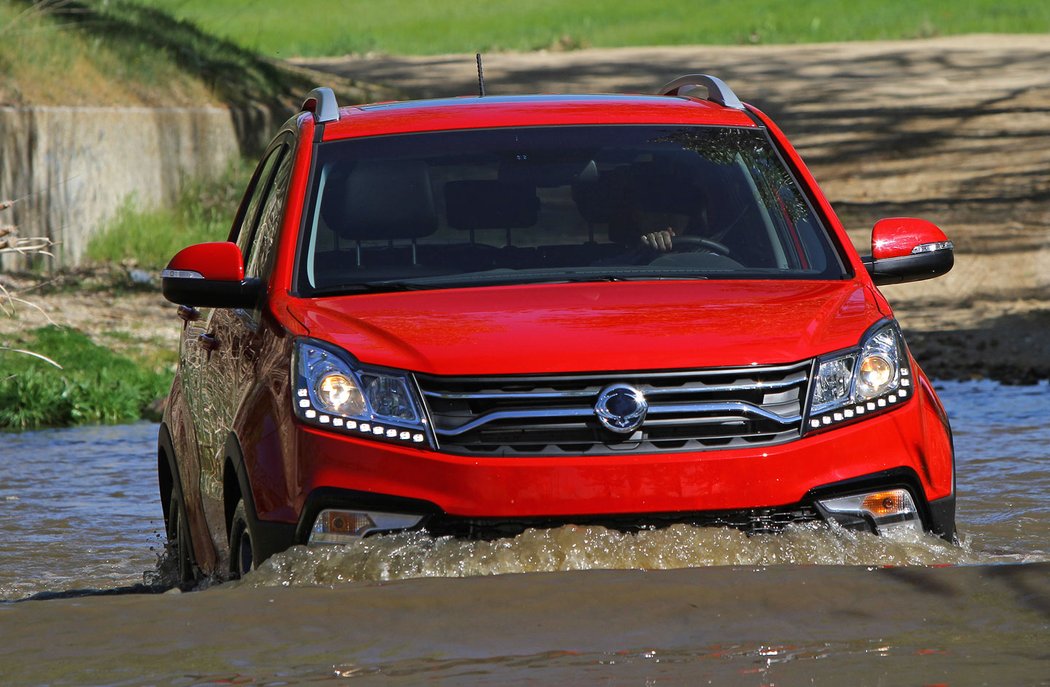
688, 242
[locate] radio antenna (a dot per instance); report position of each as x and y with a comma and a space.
481, 77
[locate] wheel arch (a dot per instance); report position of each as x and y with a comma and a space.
268, 537
235, 482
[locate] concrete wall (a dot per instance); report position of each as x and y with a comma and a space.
70, 168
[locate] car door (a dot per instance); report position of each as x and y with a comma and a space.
226, 340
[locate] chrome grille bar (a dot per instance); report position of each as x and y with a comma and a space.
590, 392
554, 414
695, 410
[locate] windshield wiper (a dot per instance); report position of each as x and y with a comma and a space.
497, 278
630, 277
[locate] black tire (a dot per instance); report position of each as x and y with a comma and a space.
180, 547
242, 548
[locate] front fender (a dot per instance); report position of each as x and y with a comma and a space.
268, 537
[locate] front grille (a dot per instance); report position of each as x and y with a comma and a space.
554, 415
750, 521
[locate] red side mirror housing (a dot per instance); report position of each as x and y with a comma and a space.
905, 249
210, 275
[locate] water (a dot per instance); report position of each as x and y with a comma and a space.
78, 510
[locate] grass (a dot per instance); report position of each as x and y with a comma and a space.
56, 376
148, 238
94, 386
421, 27
68, 52
44, 61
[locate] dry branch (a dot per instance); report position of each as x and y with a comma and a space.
10, 242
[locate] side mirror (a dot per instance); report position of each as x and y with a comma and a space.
210, 275
905, 249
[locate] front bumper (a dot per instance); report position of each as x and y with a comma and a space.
910, 446
937, 517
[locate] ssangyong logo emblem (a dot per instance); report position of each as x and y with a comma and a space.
621, 408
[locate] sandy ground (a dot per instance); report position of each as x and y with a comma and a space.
954, 130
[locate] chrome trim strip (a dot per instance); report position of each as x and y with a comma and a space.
732, 406
514, 415
601, 378
745, 409
798, 377
660, 391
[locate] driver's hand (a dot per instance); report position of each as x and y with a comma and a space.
659, 240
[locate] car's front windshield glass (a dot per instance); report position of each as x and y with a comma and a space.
551, 204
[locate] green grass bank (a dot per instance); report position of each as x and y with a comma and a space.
93, 386
65, 52
425, 27
147, 238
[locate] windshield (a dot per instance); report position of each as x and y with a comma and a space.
549, 204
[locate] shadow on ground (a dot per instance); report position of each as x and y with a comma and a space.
953, 130
1013, 349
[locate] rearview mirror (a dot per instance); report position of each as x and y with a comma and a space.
210, 275
905, 249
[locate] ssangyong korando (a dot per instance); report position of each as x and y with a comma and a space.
473, 316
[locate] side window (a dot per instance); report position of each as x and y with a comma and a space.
262, 251
242, 233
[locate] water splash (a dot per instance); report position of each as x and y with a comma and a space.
413, 555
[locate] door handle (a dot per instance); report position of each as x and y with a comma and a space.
208, 342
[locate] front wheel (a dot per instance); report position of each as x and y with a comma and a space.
242, 551
180, 548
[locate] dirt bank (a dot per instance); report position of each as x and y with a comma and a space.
954, 130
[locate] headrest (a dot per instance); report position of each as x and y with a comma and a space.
487, 204
663, 187
380, 200
648, 195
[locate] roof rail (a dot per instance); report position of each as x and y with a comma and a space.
321, 102
717, 90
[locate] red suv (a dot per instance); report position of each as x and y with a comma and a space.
473, 316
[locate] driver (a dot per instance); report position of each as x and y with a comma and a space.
658, 228
665, 226
657, 204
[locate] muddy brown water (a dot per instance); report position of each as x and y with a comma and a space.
81, 534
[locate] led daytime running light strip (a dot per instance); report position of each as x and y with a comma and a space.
354, 426
899, 395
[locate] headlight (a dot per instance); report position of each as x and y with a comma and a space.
868, 379
340, 394
880, 365
334, 392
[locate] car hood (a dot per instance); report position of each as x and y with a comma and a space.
591, 327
